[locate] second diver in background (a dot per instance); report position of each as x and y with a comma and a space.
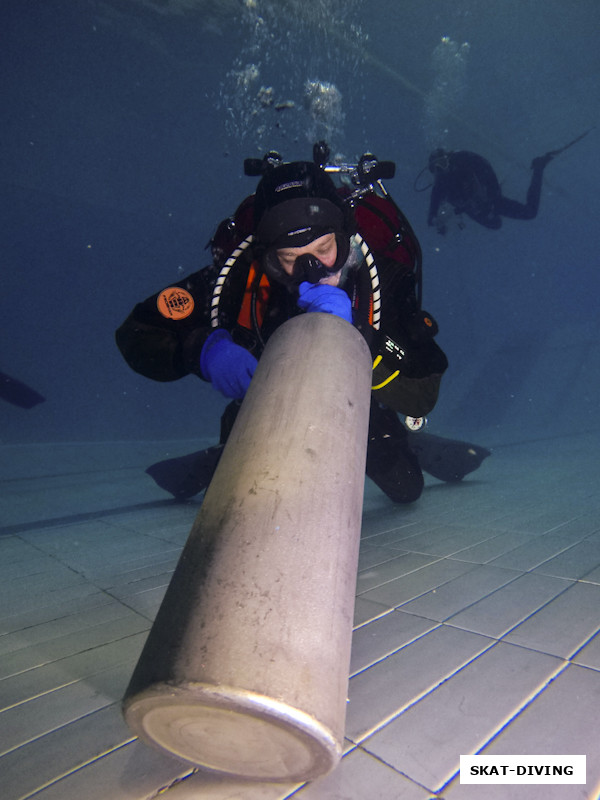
467, 182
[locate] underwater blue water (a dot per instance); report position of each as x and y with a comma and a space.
124, 128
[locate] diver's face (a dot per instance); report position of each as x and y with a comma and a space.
324, 248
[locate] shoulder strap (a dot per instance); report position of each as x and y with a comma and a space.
375, 303
222, 277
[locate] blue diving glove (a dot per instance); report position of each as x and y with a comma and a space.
322, 297
226, 365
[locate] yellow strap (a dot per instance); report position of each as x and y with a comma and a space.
387, 380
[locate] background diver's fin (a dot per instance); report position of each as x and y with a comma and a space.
571, 143
18, 393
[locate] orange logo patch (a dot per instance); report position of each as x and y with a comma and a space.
175, 303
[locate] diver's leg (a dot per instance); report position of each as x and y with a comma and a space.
391, 464
515, 210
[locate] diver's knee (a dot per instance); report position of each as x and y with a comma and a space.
407, 491
401, 486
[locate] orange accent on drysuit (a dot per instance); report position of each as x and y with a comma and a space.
262, 296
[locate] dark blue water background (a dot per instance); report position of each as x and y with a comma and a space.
124, 128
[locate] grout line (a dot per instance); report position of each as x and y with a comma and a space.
529, 616
78, 768
173, 783
517, 711
381, 760
56, 476
384, 612
580, 648
436, 625
435, 560
413, 702
72, 519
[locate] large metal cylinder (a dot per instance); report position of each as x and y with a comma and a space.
245, 670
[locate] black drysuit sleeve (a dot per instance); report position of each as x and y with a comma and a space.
163, 346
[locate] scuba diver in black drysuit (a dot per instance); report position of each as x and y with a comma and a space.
466, 181
301, 244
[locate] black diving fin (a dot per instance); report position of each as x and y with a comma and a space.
186, 476
446, 459
18, 393
570, 144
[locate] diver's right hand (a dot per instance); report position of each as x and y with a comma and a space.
325, 298
226, 365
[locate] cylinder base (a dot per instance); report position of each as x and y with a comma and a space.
233, 732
